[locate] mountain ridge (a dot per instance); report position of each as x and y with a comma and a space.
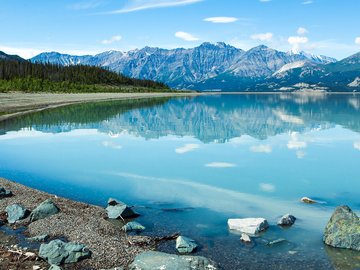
218, 66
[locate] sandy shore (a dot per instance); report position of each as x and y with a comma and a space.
78, 222
15, 104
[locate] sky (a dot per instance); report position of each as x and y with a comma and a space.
328, 27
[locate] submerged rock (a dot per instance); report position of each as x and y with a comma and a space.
16, 212
133, 226
245, 238
43, 210
58, 252
250, 226
185, 244
275, 242
54, 267
38, 238
343, 229
158, 260
117, 209
308, 200
286, 220
5, 193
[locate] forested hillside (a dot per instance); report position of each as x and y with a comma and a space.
38, 77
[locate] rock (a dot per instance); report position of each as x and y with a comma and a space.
185, 245
117, 209
55, 267
286, 220
245, 238
308, 200
133, 226
16, 212
36, 267
275, 242
343, 229
43, 210
116, 268
250, 226
5, 193
58, 252
38, 238
158, 260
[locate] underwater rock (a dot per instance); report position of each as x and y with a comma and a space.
185, 244
158, 260
343, 229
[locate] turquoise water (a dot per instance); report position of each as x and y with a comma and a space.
189, 164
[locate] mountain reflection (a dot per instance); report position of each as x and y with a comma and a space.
216, 118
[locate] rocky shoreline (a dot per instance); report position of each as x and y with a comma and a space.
40, 231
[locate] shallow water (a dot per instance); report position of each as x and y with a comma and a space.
189, 164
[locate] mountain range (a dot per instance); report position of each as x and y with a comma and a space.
222, 67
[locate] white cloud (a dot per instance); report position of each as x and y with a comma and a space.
296, 42
136, 5
357, 40
267, 187
187, 148
288, 118
221, 19
186, 36
295, 143
357, 145
262, 37
220, 165
112, 145
307, 2
111, 40
23, 52
300, 154
263, 148
302, 31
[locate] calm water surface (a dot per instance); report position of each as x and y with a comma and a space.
189, 164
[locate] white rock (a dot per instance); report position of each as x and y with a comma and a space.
250, 226
245, 238
308, 200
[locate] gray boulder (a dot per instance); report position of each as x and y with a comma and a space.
117, 209
133, 226
43, 210
286, 220
58, 252
38, 238
151, 260
5, 193
185, 244
16, 212
343, 229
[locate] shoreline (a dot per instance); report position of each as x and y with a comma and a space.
77, 222
17, 104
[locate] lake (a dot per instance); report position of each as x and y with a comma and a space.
189, 164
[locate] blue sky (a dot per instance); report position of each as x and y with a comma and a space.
329, 27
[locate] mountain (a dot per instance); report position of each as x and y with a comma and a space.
222, 67
4, 56
342, 75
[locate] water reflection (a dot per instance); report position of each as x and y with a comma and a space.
209, 118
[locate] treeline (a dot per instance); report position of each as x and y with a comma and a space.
36, 77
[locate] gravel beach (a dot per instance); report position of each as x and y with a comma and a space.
77, 222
